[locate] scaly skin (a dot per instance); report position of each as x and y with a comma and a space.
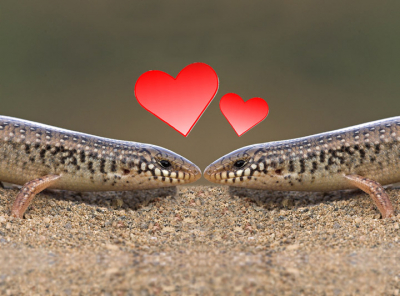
81, 162
321, 162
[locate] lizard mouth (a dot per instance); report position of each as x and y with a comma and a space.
177, 177
226, 177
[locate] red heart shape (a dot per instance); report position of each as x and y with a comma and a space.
180, 101
242, 115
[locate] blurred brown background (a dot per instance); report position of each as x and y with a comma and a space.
320, 65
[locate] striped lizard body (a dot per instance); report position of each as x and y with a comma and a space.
364, 156
41, 156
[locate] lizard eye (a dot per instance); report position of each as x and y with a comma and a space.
165, 163
239, 164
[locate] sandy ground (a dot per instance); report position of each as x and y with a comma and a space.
199, 241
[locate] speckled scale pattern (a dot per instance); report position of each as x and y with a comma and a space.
317, 162
30, 150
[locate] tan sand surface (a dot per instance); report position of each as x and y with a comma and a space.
199, 240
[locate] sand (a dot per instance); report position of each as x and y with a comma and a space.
199, 240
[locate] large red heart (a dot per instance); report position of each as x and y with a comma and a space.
180, 101
242, 115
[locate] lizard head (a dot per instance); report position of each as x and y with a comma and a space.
236, 168
256, 166
153, 166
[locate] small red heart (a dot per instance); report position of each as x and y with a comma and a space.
180, 101
242, 115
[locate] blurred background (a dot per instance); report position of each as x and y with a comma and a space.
320, 65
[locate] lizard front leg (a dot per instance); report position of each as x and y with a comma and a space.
376, 191
28, 192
